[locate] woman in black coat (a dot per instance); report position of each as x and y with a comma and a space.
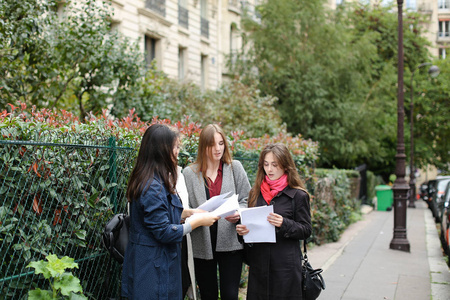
275, 268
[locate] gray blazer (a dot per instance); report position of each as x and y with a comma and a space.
234, 180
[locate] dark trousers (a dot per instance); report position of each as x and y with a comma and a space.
230, 267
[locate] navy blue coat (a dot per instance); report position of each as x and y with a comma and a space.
152, 264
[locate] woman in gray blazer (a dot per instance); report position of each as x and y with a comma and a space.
215, 173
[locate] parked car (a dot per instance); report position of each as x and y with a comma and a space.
445, 221
437, 199
428, 196
423, 192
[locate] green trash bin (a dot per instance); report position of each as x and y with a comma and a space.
385, 197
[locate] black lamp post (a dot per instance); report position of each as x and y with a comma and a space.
400, 188
433, 71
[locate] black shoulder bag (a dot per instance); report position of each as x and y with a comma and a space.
313, 282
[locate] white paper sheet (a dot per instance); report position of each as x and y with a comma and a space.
229, 207
214, 202
260, 230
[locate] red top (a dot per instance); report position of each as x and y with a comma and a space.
216, 186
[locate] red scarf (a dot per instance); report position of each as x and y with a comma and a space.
271, 188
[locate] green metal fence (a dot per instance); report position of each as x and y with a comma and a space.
56, 194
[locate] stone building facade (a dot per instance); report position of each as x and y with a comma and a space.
190, 40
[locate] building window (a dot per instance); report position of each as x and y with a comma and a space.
150, 49
233, 43
204, 23
442, 53
114, 26
444, 4
204, 72
444, 28
411, 4
181, 63
183, 14
158, 6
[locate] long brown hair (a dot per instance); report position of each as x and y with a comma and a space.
285, 161
155, 157
206, 141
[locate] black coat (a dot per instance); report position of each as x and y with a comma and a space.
275, 268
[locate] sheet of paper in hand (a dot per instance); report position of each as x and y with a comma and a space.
260, 230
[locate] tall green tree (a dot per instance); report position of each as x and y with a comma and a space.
309, 60
431, 99
53, 56
431, 117
334, 73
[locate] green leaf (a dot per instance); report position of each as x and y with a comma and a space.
39, 294
68, 284
81, 234
77, 297
40, 267
57, 266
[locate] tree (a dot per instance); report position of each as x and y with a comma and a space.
50, 59
431, 114
307, 58
334, 73
430, 126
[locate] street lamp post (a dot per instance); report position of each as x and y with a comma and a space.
433, 71
400, 188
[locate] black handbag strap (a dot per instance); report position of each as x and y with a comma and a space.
305, 257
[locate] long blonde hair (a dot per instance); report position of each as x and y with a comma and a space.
285, 161
207, 141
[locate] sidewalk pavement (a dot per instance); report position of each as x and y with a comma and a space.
361, 266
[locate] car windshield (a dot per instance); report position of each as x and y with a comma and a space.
442, 184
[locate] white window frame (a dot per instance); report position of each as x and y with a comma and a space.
444, 28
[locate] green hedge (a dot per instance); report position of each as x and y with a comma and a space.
333, 208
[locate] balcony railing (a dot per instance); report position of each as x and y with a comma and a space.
183, 16
204, 28
158, 6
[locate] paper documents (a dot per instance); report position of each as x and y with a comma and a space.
221, 206
260, 230
228, 208
214, 202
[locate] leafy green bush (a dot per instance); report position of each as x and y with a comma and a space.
62, 283
332, 207
237, 107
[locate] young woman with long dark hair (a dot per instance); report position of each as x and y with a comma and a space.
275, 268
152, 263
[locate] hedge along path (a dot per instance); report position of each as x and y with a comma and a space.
57, 192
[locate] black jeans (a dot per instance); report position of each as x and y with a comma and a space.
230, 267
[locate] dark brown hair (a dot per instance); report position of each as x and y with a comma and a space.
155, 158
285, 161
205, 143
